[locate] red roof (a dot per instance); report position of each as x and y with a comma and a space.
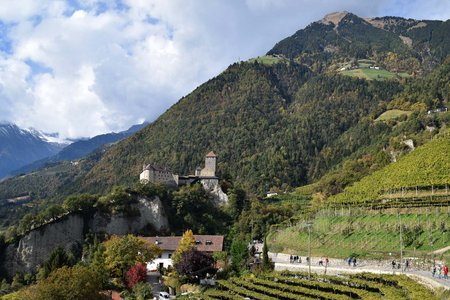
211, 154
204, 243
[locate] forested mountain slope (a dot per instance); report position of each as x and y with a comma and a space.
286, 123
393, 42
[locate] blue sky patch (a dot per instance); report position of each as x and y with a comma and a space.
38, 68
5, 41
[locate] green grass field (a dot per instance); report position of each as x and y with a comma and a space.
393, 114
372, 74
268, 60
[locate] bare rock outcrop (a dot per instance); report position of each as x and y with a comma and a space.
69, 231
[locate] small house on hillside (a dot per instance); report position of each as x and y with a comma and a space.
168, 244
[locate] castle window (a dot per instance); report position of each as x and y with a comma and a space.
197, 242
208, 242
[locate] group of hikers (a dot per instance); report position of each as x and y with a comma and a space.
396, 265
439, 270
324, 261
351, 261
295, 259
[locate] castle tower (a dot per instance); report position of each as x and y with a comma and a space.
210, 165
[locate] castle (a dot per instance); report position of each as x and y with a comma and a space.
206, 177
161, 174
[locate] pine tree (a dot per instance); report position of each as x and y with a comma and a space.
266, 262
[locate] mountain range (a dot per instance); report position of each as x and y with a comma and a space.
306, 110
19, 147
26, 150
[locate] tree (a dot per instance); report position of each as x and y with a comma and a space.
239, 254
194, 263
52, 212
57, 259
136, 274
266, 264
236, 202
77, 282
17, 282
186, 243
142, 291
121, 253
79, 202
26, 222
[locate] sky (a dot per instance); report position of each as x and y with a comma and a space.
87, 67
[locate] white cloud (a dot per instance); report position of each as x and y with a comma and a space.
86, 67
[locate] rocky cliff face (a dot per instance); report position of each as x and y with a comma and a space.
69, 232
213, 188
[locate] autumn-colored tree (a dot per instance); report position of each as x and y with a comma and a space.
187, 243
137, 273
194, 263
121, 253
78, 282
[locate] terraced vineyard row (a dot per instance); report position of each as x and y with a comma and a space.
289, 285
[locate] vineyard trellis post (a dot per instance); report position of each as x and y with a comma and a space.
309, 225
401, 241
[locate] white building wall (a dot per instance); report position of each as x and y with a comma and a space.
165, 260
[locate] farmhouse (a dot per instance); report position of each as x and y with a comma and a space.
168, 244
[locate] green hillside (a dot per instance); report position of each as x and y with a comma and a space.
370, 233
397, 43
282, 120
423, 170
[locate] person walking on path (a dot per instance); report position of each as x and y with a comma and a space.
439, 271
445, 271
433, 271
393, 263
349, 261
354, 261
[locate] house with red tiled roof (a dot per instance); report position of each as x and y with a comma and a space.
168, 244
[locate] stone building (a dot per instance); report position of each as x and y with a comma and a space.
206, 177
158, 174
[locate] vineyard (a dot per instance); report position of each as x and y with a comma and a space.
370, 233
421, 178
288, 285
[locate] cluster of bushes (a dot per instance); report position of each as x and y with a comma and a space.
115, 264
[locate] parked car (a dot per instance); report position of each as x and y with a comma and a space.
164, 296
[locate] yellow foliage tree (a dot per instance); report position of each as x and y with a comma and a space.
187, 243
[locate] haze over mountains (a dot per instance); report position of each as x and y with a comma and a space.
287, 118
